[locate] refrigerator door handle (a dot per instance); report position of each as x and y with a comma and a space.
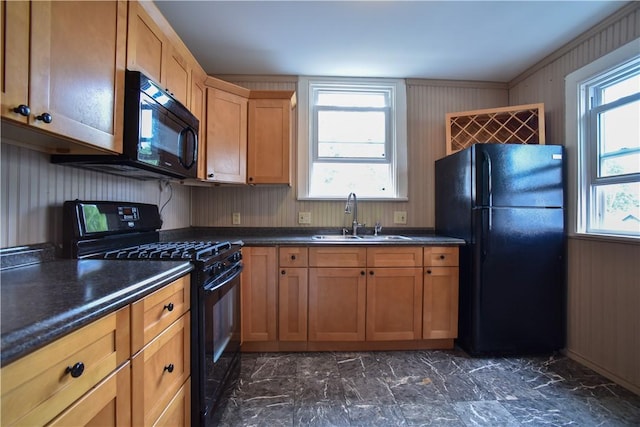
487, 162
485, 229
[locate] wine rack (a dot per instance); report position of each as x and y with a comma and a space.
520, 124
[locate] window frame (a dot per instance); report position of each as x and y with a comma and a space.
582, 91
396, 138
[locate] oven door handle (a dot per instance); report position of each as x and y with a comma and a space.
237, 269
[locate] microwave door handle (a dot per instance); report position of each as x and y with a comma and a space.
181, 138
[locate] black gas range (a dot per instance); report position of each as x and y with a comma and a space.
129, 231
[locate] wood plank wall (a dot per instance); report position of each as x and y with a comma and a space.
33, 190
603, 275
427, 103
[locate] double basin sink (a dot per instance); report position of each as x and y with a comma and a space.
350, 237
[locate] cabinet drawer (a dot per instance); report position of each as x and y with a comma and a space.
178, 411
440, 256
108, 404
337, 257
406, 256
159, 370
38, 387
293, 257
158, 310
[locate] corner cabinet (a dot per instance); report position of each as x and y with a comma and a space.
270, 137
63, 74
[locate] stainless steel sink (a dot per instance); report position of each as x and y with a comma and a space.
350, 237
386, 237
335, 237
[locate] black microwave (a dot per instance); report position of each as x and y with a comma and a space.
160, 137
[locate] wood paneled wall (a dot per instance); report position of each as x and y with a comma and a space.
427, 103
33, 191
603, 275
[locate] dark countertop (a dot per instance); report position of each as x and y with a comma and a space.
258, 236
45, 301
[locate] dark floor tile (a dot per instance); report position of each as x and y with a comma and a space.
485, 413
461, 387
361, 365
367, 391
276, 415
317, 365
363, 415
272, 366
311, 390
436, 414
409, 390
265, 392
321, 415
506, 385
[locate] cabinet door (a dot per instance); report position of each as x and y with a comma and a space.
394, 304
159, 370
293, 256
178, 411
146, 44
15, 57
108, 404
226, 137
441, 256
197, 107
78, 53
337, 299
178, 73
440, 308
259, 289
292, 304
269, 142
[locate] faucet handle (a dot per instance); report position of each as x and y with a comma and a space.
377, 228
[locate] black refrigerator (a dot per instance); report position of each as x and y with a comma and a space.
507, 202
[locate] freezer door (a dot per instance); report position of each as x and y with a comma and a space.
453, 199
509, 175
519, 281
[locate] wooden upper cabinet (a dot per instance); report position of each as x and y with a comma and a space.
269, 137
197, 105
74, 76
15, 20
226, 136
150, 50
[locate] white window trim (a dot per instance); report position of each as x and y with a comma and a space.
399, 143
574, 133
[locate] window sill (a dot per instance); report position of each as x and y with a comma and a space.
605, 238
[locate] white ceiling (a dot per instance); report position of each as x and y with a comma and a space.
460, 40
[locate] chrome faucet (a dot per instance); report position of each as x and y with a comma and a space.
347, 210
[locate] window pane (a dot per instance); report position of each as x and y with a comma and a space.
617, 208
619, 135
339, 179
621, 89
352, 99
351, 134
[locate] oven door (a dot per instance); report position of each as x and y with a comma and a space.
219, 344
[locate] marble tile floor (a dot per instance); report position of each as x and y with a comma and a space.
424, 388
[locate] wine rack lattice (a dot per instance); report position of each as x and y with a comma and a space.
520, 124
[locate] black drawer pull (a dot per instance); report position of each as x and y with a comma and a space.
45, 117
23, 110
168, 368
283, 272
75, 370
169, 307
428, 271
362, 273
293, 257
441, 256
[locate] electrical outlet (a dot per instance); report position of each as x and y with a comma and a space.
400, 217
304, 217
236, 218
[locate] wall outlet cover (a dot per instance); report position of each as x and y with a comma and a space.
304, 217
236, 218
400, 217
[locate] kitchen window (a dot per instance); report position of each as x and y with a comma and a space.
352, 138
608, 146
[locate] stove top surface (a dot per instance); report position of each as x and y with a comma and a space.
169, 250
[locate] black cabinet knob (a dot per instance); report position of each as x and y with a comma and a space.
362, 273
441, 256
283, 272
210, 175
293, 257
250, 178
169, 307
23, 110
75, 370
428, 271
168, 368
371, 272
45, 117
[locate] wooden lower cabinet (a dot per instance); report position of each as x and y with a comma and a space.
292, 304
159, 370
259, 294
337, 304
108, 404
394, 304
440, 303
178, 411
